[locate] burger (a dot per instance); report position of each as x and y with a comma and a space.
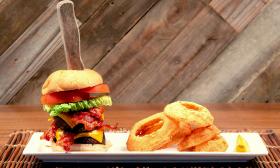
75, 101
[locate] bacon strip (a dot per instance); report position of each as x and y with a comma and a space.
66, 140
50, 133
91, 119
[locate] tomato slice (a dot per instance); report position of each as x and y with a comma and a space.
73, 95
102, 88
64, 97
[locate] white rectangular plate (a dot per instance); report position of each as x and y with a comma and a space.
118, 151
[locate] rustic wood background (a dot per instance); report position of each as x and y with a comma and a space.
148, 51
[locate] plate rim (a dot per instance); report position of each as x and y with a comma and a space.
28, 152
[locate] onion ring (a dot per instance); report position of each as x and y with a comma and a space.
198, 136
189, 113
152, 133
217, 144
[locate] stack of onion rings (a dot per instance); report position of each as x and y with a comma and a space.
186, 124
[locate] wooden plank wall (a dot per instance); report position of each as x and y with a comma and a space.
147, 51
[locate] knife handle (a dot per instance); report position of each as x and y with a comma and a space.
70, 34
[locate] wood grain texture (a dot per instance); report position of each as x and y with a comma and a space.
265, 88
145, 42
16, 16
227, 116
241, 63
154, 51
86, 8
98, 36
238, 13
206, 1
109, 26
217, 39
164, 73
22, 60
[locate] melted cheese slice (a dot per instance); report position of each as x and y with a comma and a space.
68, 120
95, 134
58, 134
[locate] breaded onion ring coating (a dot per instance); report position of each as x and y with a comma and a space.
181, 132
218, 144
152, 133
189, 113
198, 136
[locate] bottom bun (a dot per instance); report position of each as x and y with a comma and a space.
82, 147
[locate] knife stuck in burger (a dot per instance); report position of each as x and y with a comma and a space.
74, 98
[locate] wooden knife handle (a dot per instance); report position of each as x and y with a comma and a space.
70, 34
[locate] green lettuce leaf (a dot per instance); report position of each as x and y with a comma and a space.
78, 106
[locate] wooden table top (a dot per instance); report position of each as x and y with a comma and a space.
227, 116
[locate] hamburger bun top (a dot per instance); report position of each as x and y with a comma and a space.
63, 80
